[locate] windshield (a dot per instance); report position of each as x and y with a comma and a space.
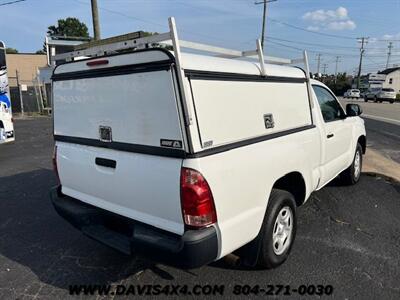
2, 59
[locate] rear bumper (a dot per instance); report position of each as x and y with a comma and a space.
194, 249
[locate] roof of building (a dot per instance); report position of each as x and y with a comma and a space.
389, 70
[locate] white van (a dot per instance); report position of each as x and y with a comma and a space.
195, 157
352, 93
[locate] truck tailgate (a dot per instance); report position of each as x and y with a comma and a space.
141, 187
119, 138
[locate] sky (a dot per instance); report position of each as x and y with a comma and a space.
327, 27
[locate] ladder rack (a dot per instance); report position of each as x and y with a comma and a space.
136, 41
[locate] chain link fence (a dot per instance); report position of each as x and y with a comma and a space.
30, 96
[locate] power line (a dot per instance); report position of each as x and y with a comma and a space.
11, 2
326, 34
311, 31
332, 54
322, 45
312, 51
313, 44
150, 22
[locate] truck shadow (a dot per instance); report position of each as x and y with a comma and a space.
34, 236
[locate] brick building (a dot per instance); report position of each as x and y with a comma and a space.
27, 65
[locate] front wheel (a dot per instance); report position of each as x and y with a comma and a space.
352, 174
278, 231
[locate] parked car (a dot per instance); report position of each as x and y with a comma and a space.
352, 93
380, 95
199, 165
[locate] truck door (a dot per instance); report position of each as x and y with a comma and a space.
336, 139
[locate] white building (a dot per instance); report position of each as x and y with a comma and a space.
392, 79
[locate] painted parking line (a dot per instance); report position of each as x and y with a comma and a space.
383, 119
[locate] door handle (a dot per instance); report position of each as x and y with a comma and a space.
330, 135
109, 163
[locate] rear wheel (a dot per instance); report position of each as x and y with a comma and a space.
352, 174
278, 231
391, 102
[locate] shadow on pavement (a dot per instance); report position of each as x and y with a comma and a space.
34, 236
348, 237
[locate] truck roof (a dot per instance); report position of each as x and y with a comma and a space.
238, 66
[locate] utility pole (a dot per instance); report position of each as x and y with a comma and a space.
336, 64
389, 54
363, 41
95, 19
324, 66
318, 62
264, 18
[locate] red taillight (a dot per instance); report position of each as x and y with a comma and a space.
55, 163
97, 62
197, 200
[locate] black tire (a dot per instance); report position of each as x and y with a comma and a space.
366, 99
348, 176
375, 99
391, 102
278, 200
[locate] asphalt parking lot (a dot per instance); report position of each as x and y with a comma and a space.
348, 237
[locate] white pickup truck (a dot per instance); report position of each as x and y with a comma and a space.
192, 157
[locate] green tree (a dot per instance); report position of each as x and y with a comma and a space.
338, 85
40, 52
147, 33
11, 50
69, 27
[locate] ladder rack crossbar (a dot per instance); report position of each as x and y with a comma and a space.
138, 43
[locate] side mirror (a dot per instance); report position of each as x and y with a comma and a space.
353, 110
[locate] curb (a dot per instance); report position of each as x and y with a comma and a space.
392, 180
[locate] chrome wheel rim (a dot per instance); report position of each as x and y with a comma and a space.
282, 231
357, 164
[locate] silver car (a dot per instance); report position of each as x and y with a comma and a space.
380, 95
